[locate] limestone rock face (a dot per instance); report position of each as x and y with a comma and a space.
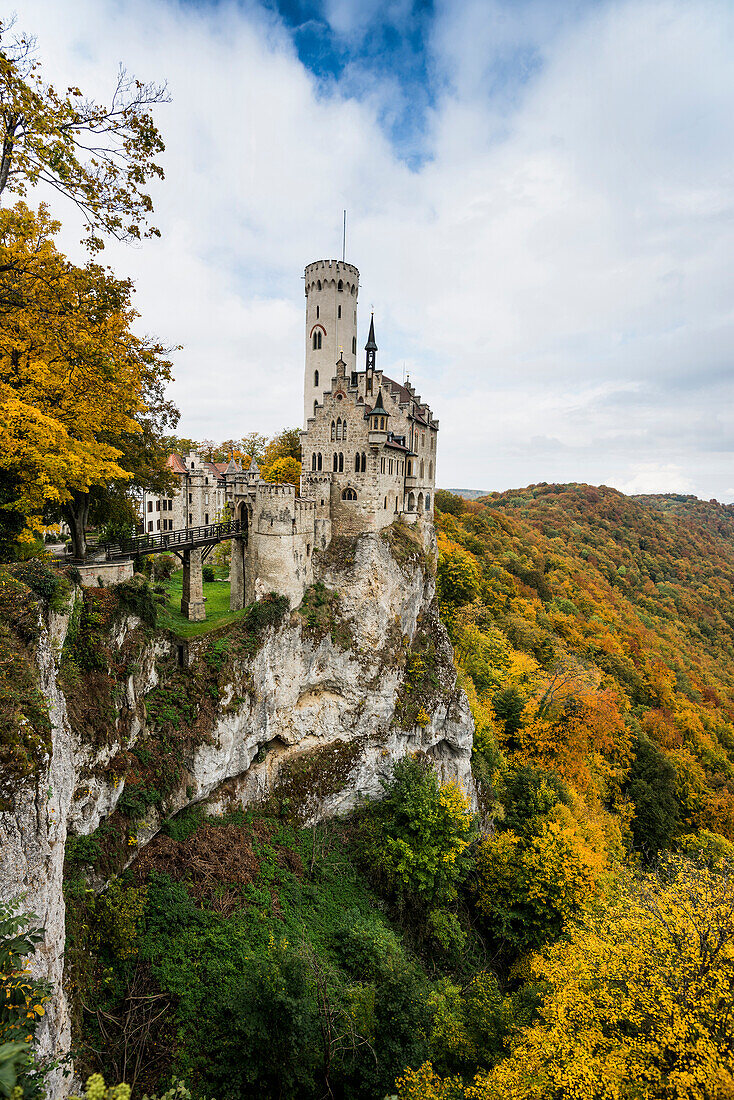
342, 694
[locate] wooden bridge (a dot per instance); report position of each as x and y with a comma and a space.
192, 545
174, 542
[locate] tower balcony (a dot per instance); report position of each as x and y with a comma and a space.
411, 482
377, 439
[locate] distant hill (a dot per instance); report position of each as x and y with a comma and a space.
598, 629
469, 494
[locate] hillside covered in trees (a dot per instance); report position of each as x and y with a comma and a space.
596, 634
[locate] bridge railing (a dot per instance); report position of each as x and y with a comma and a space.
184, 538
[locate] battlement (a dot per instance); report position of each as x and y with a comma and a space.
331, 269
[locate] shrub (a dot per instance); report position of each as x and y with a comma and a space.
43, 579
21, 1001
415, 838
137, 597
207, 573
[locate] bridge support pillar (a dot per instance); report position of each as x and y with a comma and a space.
237, 575
192, 596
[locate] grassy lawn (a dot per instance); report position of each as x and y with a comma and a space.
216, 594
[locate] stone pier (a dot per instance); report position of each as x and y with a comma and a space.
237, 575
192, 596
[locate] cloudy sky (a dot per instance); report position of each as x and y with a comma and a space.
540, 197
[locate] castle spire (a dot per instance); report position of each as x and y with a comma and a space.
371, 347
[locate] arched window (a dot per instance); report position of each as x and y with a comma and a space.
313, 461
423, 468
420, 502
341, 463
411, 503
409, 470
428, 502
349, 494
340, 285
357, 463
354, 345
336, 462
319, 460
344, 429
315, 405
333, 431
318, 284
364, 462
430, 471
338, 429
317, 340
315, 378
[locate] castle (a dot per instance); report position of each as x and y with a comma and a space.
368, 452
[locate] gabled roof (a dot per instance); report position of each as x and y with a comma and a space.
176, 463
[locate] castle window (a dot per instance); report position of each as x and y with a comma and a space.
318, 284
423, 468
423, 439
339, 428
150, 505
317, 340
341, 463
382, 465
357, 463
206, 480
340, 285
430, 471
382, 423
150, 524
192, 465
315, 378
354, 345
315, 405
336, 462
319, 461
385, 504
339, 313
191, 498
317, 313
428, 502
333, 431
313, 461
344, 429
308, 549
349, 494
409, 471
206, 517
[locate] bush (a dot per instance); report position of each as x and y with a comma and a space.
162, 566
207, 573
414, 840
137, 597
43, 579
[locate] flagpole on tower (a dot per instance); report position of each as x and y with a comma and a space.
344, 238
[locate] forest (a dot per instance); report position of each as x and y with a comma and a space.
572, 938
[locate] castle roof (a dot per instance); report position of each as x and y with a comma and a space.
378, 406
176, 463
371, 345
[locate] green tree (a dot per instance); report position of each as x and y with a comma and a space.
651, 786
415, 838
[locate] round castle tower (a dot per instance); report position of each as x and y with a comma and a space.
332, 287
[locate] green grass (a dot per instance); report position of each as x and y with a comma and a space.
218, 614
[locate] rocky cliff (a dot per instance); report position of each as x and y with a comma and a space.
308, 708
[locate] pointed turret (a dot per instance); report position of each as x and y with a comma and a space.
253, 470
371, 346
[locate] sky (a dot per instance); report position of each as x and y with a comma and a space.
540, 199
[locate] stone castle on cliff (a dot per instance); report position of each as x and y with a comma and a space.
368, 453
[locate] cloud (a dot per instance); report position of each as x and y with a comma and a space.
551, 260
